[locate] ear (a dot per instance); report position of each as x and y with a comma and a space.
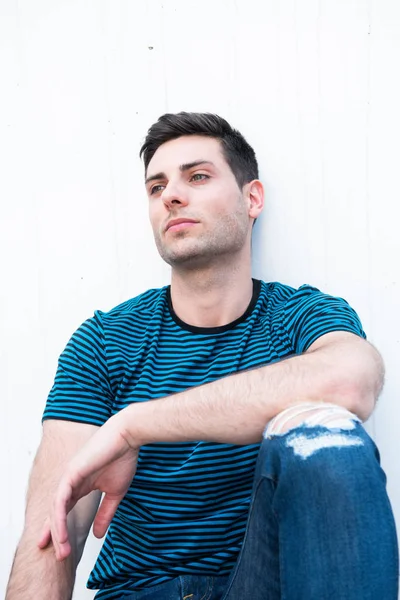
254, 193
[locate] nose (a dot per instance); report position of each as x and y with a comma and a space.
174, 195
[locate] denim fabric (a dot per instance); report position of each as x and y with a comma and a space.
186, 587
320, 526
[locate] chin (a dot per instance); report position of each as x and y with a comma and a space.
181, 252
186, 260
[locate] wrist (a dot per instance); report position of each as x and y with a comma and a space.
127, 422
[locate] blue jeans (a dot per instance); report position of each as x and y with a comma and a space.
320, 525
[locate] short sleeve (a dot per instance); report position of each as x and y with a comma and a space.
309, 314
81, 391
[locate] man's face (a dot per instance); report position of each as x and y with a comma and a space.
197, 211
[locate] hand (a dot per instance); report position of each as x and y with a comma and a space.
107, 462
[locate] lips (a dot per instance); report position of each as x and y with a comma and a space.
181, 221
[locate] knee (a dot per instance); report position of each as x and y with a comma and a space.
322, 440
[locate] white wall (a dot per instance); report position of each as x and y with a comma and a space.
313, 85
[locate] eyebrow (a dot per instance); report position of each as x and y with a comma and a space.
182, 168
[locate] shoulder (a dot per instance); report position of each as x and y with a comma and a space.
278, 296
288, 297
306, 313
143, 306
130, 318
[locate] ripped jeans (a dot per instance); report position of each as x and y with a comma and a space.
320, 525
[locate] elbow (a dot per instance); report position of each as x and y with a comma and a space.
363, 383
362, 405
356, 398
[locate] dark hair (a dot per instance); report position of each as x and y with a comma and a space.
239, 155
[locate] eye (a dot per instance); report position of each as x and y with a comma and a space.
156, 188
199, 177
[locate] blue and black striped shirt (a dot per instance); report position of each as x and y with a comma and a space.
186, 510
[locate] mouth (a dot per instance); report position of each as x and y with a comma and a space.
179, 224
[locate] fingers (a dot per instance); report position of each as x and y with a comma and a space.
105, 514
45, 537
54, 532
61, 550
59, 528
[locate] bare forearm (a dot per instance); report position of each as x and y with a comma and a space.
236, 409
36, 575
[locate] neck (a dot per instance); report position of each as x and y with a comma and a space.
211, 296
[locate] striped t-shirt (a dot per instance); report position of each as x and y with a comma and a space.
186, 510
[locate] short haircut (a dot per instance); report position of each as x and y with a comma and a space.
237, 152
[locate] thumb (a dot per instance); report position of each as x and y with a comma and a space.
105, 514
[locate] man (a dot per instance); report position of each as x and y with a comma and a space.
198, 507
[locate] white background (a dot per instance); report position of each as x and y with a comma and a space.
313, 85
